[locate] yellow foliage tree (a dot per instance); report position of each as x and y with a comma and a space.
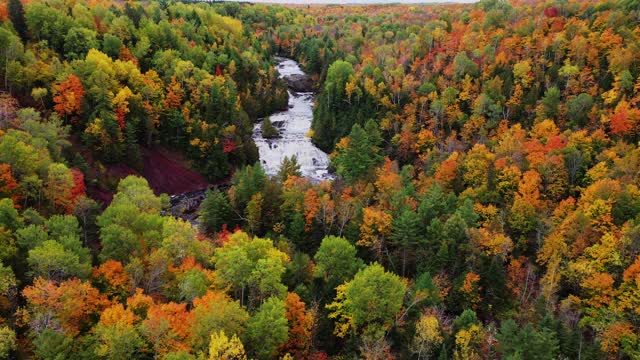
428, 336
468, 342
491, 243
376, 226
223, 348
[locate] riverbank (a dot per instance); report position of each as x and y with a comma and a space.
293, 124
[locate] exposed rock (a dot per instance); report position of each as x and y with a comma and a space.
186, 205
299, 83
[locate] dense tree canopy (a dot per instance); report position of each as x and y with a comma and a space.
485, 200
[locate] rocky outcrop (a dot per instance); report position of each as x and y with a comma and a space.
299, 83
186, 205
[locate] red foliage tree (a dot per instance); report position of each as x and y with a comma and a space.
318, 355
228, 145
120, 117
78, 188
8, 184
223, 236
551, 12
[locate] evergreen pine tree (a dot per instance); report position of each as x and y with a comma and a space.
16, 14
214, 211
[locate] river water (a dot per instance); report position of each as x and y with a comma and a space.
293, 125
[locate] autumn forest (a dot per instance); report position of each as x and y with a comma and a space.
483, 199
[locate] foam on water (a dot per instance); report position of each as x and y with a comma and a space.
293, 125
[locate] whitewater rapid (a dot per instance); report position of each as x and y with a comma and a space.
293, 125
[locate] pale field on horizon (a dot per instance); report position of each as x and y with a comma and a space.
354, 2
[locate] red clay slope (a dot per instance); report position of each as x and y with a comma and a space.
167, 172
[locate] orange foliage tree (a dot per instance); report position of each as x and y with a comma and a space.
375, 228
300, 322
112, 279
624, 120
68, 96
471, 289
175, 93
68, 306
388, 181
166, 329
311, 207
4, 13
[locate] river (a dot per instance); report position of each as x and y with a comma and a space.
293, 125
